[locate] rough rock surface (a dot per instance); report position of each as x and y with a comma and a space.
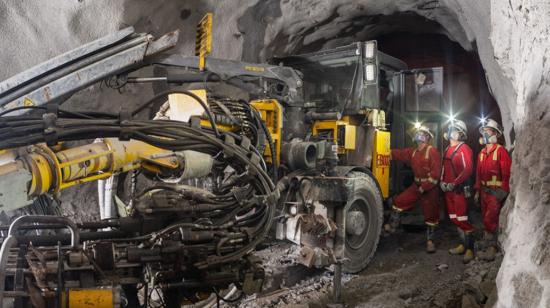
524, 278
400, 275
510, 38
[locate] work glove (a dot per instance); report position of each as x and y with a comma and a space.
447, 186
420, 189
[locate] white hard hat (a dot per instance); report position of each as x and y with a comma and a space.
490, 123
424, 129
459, 126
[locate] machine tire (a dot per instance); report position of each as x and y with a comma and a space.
366, 197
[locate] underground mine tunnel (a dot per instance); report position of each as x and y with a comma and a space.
250, 153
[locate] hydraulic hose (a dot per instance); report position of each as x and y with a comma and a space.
174, 136
189, 93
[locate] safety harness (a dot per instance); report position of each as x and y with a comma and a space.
465, 185
455, 174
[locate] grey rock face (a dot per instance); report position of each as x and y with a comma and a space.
510, 38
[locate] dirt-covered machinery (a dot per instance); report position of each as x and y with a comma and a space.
193, 179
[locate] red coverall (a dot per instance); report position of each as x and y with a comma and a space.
426, 165
493, 171
462, 164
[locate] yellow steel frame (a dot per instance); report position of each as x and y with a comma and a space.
203, 46
93, 298
381, 160
271, 113
333, 126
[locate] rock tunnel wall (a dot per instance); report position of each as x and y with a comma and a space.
510, 38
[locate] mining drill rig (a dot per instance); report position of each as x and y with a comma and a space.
193, 179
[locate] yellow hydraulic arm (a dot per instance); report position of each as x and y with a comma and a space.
41, 169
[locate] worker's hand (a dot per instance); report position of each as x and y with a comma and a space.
420, 189
443, 186
476, 197
450, 186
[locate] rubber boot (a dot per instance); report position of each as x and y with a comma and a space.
393, 223
430, 246
460, 249
491, 251
489, 254
469, 246
487, 239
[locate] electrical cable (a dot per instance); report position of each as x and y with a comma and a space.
248, 217
188, 93
21, 108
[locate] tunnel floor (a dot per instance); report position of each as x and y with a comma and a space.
401, 274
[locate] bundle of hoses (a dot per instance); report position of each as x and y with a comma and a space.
250, 121
243, 211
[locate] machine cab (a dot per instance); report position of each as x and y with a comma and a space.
345, 79
357, 78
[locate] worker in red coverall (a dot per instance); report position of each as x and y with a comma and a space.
426, 165
457, 168
492, 183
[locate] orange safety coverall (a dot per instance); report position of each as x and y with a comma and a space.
492, 172
425, 162
456, 170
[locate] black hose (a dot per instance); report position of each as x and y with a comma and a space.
189, 93
21, 108
77, 114
175, 136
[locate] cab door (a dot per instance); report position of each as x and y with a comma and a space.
418, 98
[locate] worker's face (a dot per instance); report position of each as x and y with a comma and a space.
489, 136
489, 132
421, 137
453, 134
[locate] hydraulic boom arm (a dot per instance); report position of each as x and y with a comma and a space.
42, 169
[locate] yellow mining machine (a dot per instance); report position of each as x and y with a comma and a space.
193, 179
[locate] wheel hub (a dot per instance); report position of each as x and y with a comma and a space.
355, 223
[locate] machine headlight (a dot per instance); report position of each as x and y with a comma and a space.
370, 72
369, 49
293, 210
